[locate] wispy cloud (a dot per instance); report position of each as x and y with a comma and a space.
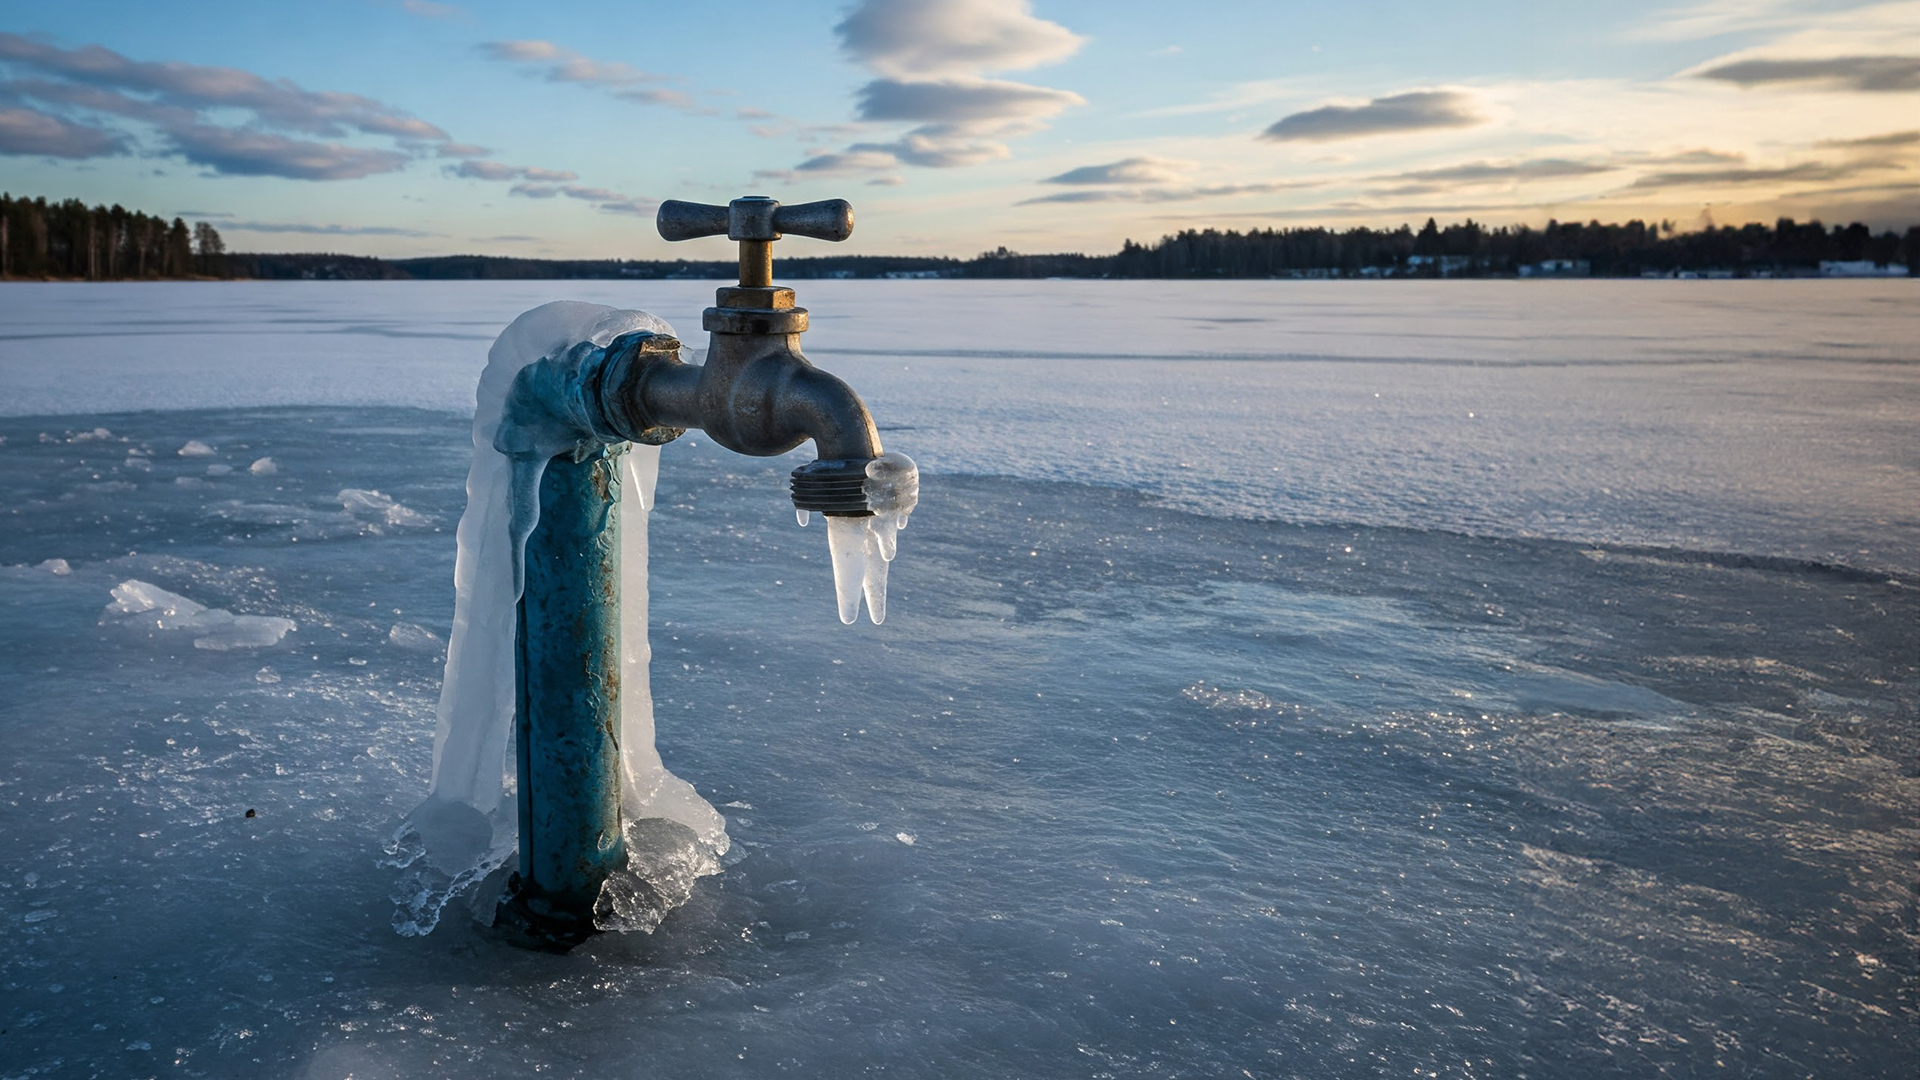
605, 199
1862, 74
239, 152
1167, 195
1684, 157
1489, 173
26, 132
1133, 170
952, 37
932, 57
614, 77
228, 120
1805, 172
1891, 139
1715, 18
1423, 110
494, 170
427, 9
323, 230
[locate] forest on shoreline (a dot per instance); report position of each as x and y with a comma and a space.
67, 240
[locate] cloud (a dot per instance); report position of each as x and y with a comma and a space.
461, 150
887, 181
1810, 171
426, 9
1167, 195
494, 170
484, 170
322, 230
1896, 138
952, 37
612, 202
621, 80
239, 152
1714, 18
931, 148
1481, 173
226, 119
961, 100
1861, 74
522, 51
276, 102
26, 132
848, 162
1133, 170
1687, 157
930, 56
1423, 110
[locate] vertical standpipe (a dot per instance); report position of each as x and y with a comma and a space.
567, 723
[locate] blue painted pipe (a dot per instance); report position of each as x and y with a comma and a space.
567, 723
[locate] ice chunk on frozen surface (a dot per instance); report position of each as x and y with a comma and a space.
195, 448
137, 602
57, 567
362, 502
263, 467
218, 469
413, 637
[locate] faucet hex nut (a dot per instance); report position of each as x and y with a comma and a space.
754, 321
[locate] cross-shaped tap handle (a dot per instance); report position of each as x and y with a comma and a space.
756, 222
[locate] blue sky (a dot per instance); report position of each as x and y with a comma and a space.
402, 127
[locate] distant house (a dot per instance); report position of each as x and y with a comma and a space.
1448, 265
1557, 268
1860, 268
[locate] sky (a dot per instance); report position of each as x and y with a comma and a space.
416, 127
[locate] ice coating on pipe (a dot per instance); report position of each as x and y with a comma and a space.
526, 412
862, 547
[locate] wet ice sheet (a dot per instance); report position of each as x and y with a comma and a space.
1116, 789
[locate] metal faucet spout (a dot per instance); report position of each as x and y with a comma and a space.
761, 407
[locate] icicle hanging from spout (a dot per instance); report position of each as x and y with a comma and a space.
861, 547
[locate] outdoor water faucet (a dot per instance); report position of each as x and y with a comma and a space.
755, 394
572, 413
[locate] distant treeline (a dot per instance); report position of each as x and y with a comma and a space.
1466, 249
502, 268
39, 239
1470, 249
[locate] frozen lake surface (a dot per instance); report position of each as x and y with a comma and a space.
1280, 679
